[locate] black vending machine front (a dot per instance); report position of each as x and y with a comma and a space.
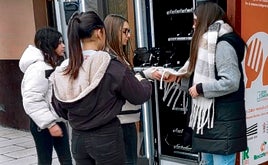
171, 23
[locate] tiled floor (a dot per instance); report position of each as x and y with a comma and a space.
18, 148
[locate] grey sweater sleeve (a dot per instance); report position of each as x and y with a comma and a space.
227, 70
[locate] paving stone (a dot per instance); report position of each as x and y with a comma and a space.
18, 148
22, 161
22, 153
8, 149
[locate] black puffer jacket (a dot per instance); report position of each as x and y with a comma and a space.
228, 135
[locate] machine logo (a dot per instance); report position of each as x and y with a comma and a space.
256, 59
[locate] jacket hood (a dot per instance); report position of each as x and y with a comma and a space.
90, 74
30, 55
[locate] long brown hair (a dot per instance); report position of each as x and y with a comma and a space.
114, 24
207, 13
80, 26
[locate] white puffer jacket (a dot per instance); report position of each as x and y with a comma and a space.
36, 89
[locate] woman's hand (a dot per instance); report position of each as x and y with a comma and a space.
193, 91
55, 130
156, 75
172, 78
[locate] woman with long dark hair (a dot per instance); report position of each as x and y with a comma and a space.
90, 89
37, 62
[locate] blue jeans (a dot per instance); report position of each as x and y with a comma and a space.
130, 139
44, 144
213, 159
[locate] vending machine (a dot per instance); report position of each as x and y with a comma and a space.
172, 23
164, 31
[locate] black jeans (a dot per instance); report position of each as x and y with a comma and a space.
130, 139
44, 143
100, 146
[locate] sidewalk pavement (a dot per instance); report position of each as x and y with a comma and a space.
17, 148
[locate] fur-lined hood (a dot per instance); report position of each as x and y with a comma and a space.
90, 74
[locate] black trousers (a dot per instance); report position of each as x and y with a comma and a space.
44, 143
130, 139
100, 146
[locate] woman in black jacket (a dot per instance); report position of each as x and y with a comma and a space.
90, 89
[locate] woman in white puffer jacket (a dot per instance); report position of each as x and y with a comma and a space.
37, 63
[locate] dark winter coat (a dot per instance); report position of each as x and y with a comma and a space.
228, 135
96, 97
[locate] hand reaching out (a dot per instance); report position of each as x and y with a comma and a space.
164, 74
156, 75
172, 78
152, 73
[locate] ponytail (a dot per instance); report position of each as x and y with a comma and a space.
75, 50
80, 26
